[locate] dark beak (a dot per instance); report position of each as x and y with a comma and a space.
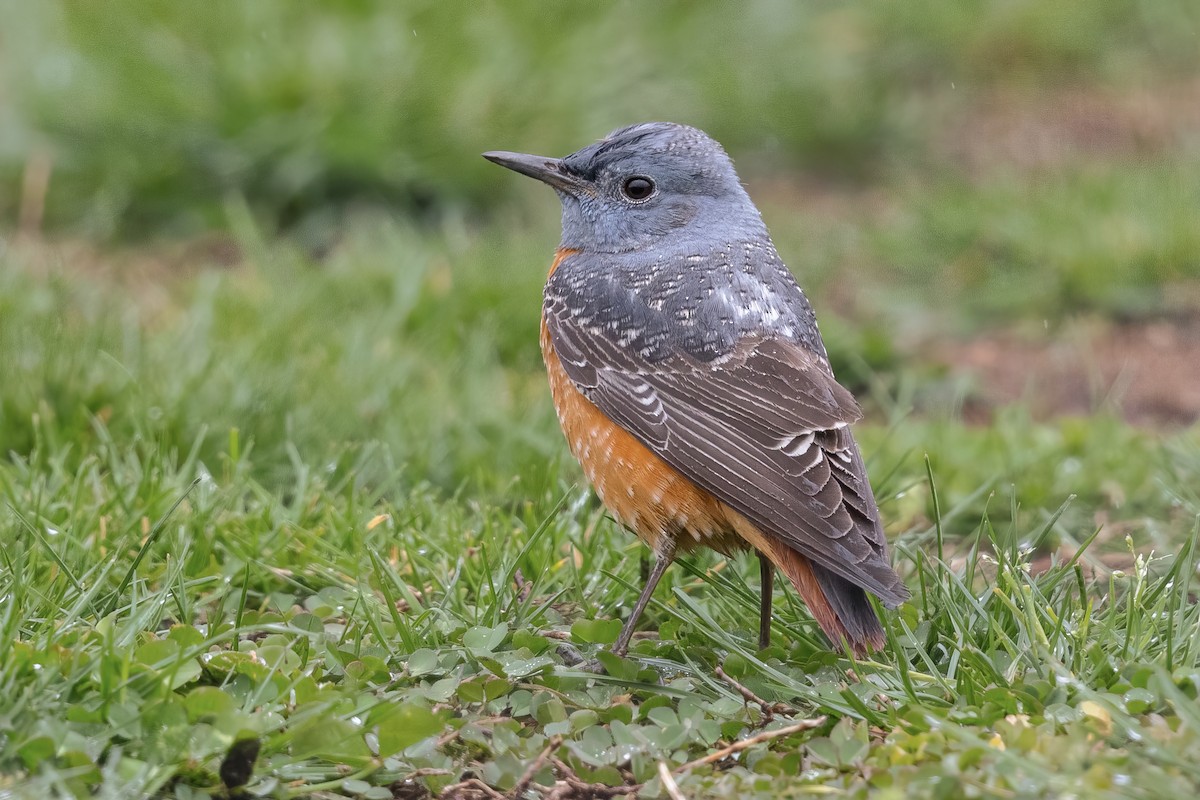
547, 170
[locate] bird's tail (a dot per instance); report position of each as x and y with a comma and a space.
839, 607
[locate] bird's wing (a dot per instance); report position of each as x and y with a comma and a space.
763, 428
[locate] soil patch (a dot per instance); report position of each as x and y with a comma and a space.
1149, 372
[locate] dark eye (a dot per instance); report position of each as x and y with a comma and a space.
638, 188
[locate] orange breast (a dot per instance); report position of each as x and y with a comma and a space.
643, 492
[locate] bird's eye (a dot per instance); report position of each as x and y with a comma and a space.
638, 188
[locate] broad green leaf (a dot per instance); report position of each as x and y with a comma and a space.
206, 701
335, 740
596, 631
482, 641
404, 726
422, 662
35, 751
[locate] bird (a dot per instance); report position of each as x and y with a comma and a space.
692, 384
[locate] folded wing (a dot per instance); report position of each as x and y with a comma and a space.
763, 428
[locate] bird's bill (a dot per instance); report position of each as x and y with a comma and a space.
545, 169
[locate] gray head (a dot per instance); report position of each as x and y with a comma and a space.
646, 185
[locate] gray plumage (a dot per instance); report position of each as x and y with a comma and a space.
676, 317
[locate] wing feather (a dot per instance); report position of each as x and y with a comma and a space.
763, 428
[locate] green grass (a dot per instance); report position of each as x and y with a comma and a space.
306, 522
1114, 237
153, 115
301, 356
289, 503
423, 347
155, 122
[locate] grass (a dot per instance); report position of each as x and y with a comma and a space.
201, 549
299, 355
153, 116
284, 509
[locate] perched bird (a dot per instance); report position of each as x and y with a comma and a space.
691, 381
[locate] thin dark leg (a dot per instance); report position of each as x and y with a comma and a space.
766, 574
662, 560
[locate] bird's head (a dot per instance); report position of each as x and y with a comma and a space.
644, 186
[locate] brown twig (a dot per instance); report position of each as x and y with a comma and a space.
527, 778
523, 586
565, 636
668, 782
447, 738
582, 788
765, 736
470, 789
570, 786
769, 709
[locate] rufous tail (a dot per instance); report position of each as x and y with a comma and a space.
839, 607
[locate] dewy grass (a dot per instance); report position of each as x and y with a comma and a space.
303, 526
385, 616
363, 636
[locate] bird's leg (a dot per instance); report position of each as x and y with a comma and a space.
766, 574
662, 559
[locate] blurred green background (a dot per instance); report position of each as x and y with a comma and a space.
157, 112
274, 216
